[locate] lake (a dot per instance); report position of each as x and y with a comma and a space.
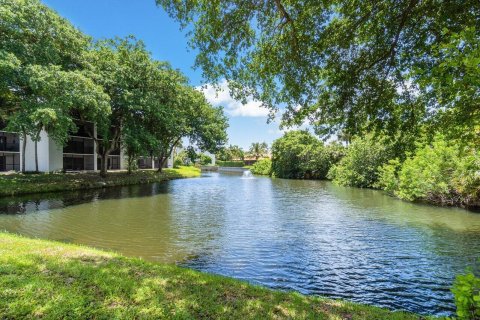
309, 236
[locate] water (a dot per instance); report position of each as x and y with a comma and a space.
247, 175
309, 236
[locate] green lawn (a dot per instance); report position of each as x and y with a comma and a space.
51, 280
15, 184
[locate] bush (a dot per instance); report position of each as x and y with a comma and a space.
205, 159
359, 166
181, 159
300, 155
177, 162
466, 290
388, 176
230, 163
262, 167
440, 172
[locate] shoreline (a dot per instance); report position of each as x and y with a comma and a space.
22, 184
43, 278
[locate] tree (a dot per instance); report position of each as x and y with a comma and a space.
299, 155
189, 116
360, 165
42, 78
350, 66
122, 67
205, 159
258, 149
230, 153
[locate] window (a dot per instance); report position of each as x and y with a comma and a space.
9, 142
9, 161
77, 162
79, 145
113, 163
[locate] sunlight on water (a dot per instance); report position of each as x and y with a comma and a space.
309, 236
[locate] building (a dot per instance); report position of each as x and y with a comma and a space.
79, 154
9, 150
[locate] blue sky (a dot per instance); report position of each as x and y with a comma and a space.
146, 21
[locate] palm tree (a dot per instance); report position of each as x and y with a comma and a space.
258, 149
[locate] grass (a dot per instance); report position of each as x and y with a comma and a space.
52, 280
18, 183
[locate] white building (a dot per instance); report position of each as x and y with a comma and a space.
79, 154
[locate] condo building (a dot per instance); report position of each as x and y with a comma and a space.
79, 153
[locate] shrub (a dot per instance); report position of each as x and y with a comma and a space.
300, 155
388, 176
262, 167
466, 290
205, 159
440, 172
177, 162
428, 172
181, 159
230, 163
359, 166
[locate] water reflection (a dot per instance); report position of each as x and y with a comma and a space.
309, 236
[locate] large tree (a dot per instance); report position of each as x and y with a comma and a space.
190, 116
345, 65
41, 72
122, 67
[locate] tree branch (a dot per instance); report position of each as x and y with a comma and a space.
288, 20
391, 52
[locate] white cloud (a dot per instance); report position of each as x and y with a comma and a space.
234, 108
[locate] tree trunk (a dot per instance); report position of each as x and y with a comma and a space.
161, 162
24, 148
103, 165
130, 163
36, 154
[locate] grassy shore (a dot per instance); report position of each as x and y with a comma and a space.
52, 280
16, 184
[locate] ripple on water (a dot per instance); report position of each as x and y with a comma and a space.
309, 236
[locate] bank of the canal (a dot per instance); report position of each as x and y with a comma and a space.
18, 184
52, 280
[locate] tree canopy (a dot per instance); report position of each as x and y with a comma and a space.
53, 78
258, 149
353, 66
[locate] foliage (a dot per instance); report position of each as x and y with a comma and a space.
258, 150
190, 116
230, 153
300, 155
359, 166
453, 81
442, 172
262, 167
237, 163
388, 176
52, 76
350, 66
124, 69
205, 159
181, 159
466, 290
42, 60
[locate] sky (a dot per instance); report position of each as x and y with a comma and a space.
163, 38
